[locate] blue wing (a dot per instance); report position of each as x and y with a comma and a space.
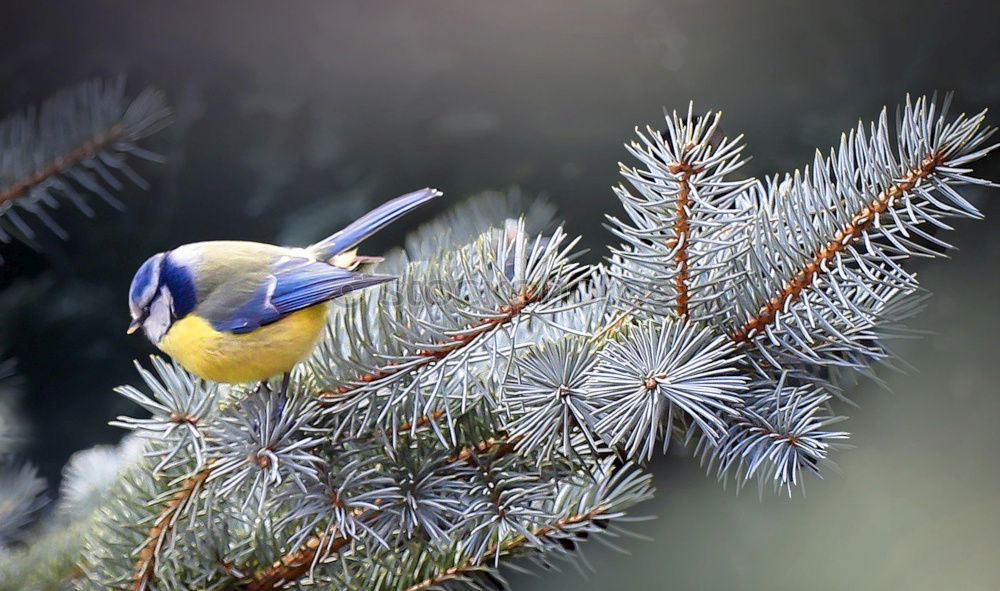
292, 285
306, 285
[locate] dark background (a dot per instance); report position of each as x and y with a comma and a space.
292, 118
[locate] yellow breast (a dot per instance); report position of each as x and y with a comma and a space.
232, 358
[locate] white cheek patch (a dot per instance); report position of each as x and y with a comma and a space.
160, 318
148, 293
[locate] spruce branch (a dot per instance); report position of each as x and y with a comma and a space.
582, 512
79, 141
850, 233
546, 402
778, 434
560, 530
399, 365
828, 243
663, 371
678, 215
438, 350
159, 532
367, 515
500, 400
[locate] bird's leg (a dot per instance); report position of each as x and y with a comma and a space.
259, 390
283, 392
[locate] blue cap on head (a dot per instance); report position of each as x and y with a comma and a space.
144, 284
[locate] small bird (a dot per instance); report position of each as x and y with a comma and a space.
233, 312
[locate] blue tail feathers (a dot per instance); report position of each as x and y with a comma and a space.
371, 222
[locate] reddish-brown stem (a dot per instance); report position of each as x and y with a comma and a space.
508, 547
294, 565
63, 162
500, 446
844, 237
682, 229
421, 421
427, 356
146, 564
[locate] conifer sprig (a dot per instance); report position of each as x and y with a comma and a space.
501, 399
78, 142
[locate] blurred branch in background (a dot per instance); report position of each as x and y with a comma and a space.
20, 487
77, 142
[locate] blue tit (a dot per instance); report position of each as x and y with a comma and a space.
232, 312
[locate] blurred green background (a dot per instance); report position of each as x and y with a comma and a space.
292, 118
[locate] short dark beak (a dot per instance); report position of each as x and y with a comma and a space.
136, 323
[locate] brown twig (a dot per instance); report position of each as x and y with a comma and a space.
421, 421
506, 548
682, 229
146, 564
292, 566
63, 162
427, 356
499, 445
844, 237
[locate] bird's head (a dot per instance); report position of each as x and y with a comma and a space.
149, 300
